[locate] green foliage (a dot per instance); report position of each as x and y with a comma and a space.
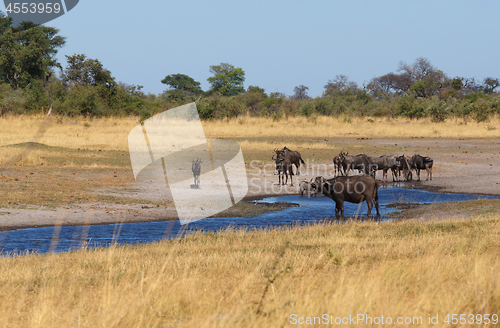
36, 97
410, 107
182, 85
11, 101
227, 80
473, 97
481, 110
86, 71
438, 110
217, 107
27, 53
306, 108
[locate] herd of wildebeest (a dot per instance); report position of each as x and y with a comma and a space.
354, 189
342, 187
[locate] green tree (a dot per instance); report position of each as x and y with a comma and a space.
300, 92
86, 71
227, 79
490, 84
27, 53
183, 83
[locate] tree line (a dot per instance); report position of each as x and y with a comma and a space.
33, 81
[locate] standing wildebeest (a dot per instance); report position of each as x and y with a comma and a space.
355, 189
384, 163
196, 168
337, 164
294, 157
405, 167
284, 167
359, 162
418, 163
306, 186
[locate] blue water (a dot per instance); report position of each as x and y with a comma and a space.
309, 210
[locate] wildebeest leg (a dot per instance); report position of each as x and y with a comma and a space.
418, 174
429, 173
370, 206
392, 171
375, 201
337, 209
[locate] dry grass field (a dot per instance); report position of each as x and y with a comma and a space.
404, 269
264, 278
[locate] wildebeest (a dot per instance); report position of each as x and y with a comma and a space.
196, 168
385, 163
418, 163
337, 164
284, 167
355, 189
306, 187
359, 162
294, 156
405, 167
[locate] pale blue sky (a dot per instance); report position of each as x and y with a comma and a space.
281, 44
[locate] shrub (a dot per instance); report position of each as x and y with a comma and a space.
438, 110
481, 110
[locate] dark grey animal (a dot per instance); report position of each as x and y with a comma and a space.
196, 168
355, 189
306, 187
294, 156
418, 163
385, 163
337, 164
284, 168
359, 162
405, 168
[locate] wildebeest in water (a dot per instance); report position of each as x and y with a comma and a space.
306, 187
355, 189
196, 168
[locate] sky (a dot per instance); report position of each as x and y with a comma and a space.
281, 44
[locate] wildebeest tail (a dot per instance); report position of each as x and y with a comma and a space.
302, 160
428, 160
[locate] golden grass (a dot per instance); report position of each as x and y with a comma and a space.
112, 133
333, 127
74, 133
261, 279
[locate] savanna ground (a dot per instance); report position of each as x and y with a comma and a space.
69, 171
